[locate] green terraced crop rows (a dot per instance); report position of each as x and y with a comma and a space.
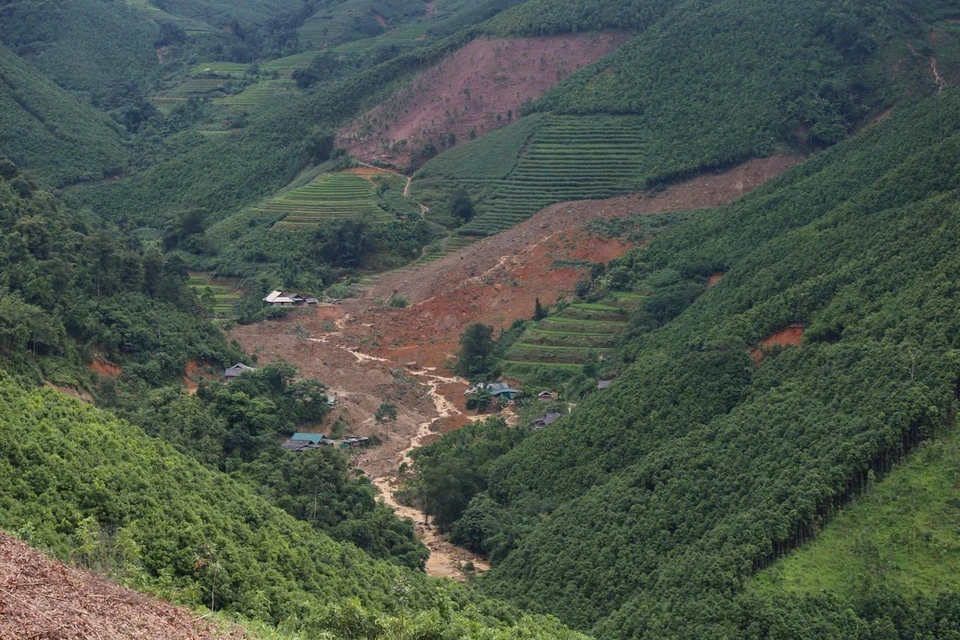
567, 158
190, 27
450, 245
572, 336
256, 95
333, 196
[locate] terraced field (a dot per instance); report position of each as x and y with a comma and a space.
577, 334
568, 158
190, 27
189, 88
257, 94
332, 196
224, 295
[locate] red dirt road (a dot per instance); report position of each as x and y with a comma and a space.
467, 92
42, 598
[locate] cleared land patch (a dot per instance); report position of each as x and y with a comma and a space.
476, 90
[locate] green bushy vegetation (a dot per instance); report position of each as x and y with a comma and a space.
70, 292
900, 537
645, 512
87, 486
50, 132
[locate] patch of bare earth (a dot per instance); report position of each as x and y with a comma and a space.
791, 336
369, 354
105, 368
478, 89
42, 598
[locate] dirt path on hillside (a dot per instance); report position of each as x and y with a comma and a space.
368, 353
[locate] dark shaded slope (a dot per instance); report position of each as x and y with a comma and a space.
45, 129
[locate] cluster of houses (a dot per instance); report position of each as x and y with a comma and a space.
281, 299
300, 442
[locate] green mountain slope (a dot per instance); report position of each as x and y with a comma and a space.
702, 86
644, 512
97, 49
48, 131
901, 536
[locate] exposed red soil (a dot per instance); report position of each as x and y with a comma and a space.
105, 368
379, 18
366, 352
498, 279
194, 373
431, 8
715, 279
791, 336
42, 598
467, 92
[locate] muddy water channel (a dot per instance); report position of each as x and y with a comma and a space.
445, 559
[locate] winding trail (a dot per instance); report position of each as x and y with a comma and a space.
445, 558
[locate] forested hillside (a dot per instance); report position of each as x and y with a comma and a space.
83, 485
645, 512
52, 133
65, 41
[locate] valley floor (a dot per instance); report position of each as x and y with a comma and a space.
368, 353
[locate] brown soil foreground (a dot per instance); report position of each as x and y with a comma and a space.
467, 92
369, 354
42, 598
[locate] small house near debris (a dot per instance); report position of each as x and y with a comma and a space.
354, 441
603, 384
236, 371
546, 396
307, 441
546, 419
281, 299
497, 389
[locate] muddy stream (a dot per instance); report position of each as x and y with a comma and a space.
445, 558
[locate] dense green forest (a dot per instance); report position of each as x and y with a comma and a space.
50, 132
646, 511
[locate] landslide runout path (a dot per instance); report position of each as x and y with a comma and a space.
369, 354
43, 598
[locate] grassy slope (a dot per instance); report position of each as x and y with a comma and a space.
661, 500
48, 131
901, 536
65, 464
